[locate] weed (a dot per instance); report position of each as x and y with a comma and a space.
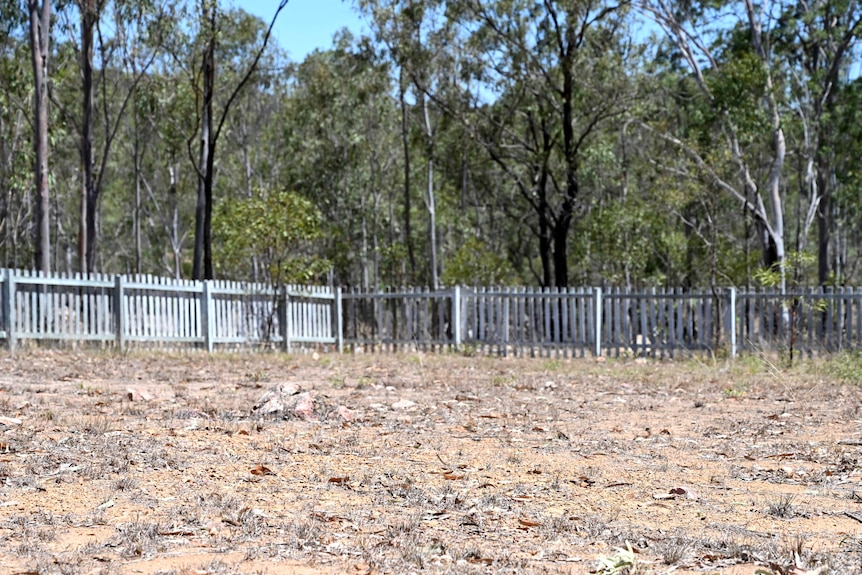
845, 366
558, 525
623, 562
782, 507
736, 391
137, 539
674, 550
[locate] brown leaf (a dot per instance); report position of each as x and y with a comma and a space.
529, 523
339, 480
453, 476
261, 470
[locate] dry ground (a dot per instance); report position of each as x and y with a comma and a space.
449, 464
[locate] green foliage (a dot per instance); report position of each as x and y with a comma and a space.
475, 264
845, 366
738, 87
278, 229
795, 265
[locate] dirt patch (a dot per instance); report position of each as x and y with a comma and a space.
156, 463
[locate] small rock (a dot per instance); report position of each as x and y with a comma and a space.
10, 421
276, 398
403, 404
315, 356
133, 394
344, 413
304, 408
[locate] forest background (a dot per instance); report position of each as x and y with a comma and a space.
517, 142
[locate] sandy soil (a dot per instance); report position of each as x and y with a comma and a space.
155, 463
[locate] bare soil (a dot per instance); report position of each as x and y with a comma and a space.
155, 463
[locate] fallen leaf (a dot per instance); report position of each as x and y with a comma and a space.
261, 470
339, 480
529, 523
453, 476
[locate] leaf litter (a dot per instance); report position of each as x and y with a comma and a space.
546, 475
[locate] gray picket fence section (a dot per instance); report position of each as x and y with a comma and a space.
808, 321
130, 311
535, 322
127, 311
652, 323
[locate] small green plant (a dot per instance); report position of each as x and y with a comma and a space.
736, 391
623, 562
784, 275
553, 365
846, 366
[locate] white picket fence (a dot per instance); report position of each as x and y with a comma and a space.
127, 311
145, 310
581, 321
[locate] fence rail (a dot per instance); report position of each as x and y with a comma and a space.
126, 311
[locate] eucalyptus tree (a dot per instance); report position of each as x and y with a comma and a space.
395, 24
128, 38
818, 40
734, 69
211, 123
544, 77
40, 40
339, 127
16, 154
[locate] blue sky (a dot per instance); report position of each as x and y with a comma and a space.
304, 25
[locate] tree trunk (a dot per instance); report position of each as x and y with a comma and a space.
408, 231
40, 22
87, 231
432, 204
202, 265
824, 229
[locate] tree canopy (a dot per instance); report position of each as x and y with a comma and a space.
536, 142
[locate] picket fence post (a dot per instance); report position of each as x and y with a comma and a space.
339, 321
731, 320
119, 315
456, 316
9, 308
597, 294
207, 315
